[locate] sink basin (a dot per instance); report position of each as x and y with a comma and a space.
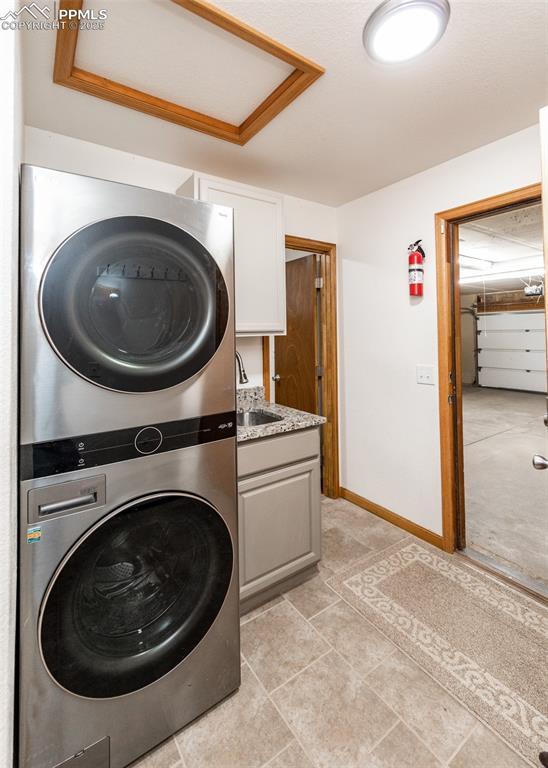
255, 418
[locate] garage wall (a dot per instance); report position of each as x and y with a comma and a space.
389, 423
10, 137
468, 339
303, 218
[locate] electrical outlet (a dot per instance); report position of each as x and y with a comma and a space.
425, 374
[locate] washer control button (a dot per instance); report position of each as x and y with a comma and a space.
148, 440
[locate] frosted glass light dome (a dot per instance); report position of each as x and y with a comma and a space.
399, 30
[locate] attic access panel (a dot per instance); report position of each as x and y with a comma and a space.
303, 74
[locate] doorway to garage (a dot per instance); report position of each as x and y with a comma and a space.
493, 363
300, 368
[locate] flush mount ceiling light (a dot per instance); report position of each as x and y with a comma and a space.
399, 30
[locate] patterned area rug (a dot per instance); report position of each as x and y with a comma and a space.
485, 642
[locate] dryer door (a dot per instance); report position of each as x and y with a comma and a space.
135, 595
134, 304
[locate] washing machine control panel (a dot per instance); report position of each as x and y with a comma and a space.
83, 451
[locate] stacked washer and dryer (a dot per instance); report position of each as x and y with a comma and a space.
128, 598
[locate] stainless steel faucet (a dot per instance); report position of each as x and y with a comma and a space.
242, 375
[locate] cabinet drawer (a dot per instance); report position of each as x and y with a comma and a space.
279, 525
268, 453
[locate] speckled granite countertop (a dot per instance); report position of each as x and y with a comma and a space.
252, 398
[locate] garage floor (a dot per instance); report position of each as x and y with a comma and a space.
506, 499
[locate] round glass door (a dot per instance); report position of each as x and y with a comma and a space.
134, 304
136, 595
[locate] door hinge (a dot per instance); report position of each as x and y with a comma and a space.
442, 227
319, 282
319, 371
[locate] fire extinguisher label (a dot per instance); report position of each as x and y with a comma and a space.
416, 276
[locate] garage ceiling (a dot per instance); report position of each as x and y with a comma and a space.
512, 235
358, 128
502, 243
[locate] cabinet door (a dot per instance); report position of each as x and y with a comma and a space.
259, 254
279, 525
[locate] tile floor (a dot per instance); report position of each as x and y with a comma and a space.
503, 493
323, 688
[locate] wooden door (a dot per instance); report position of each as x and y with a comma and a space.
296, 354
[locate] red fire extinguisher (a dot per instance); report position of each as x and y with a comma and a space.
416, 268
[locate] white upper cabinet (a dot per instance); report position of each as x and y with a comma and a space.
259, 251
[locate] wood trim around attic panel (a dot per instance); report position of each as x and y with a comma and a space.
305, 72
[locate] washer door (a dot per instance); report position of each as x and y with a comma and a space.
134, 304
136, 595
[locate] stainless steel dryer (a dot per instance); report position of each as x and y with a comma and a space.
129, 603
127, 306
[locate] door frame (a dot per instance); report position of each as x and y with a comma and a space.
449, 349
329, 380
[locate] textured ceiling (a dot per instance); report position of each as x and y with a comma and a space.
358, 128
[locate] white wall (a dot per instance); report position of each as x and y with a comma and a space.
251, 350
64, 153
303, 218
10, 141
389, 424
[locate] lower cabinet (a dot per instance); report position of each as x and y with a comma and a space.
279, 509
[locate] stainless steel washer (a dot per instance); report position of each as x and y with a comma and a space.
129, 602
